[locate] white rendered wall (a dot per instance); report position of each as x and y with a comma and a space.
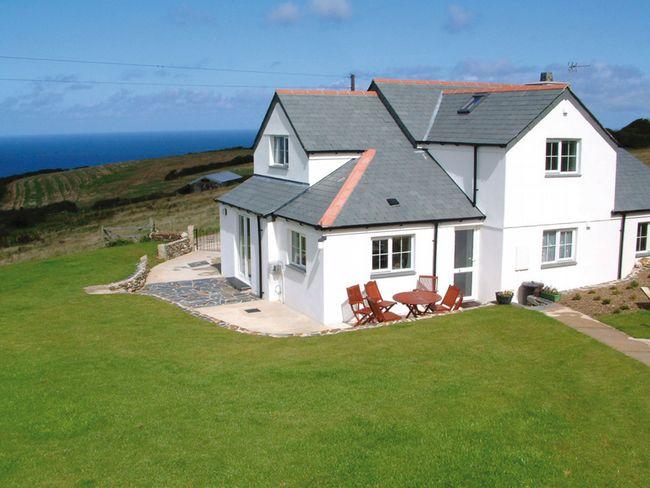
458, 162
229, 236
300, 290
534, 203
301, 167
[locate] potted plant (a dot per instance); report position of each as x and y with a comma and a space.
550, 293
504, 297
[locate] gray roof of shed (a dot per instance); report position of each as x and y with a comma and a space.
262, 195
429, 115
632, 183
220, 177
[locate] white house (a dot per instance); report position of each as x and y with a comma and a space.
484, 185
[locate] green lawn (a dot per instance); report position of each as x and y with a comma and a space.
125, 390
635, 324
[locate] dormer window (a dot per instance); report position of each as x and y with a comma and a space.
472, 103
280, 150
562, 156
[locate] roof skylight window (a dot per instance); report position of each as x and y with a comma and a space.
472, 103
392, 201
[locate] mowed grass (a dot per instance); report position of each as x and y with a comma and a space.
635, 324
126, 180
127, 390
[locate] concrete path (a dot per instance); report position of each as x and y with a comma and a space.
635, 348
272, 318
196, 265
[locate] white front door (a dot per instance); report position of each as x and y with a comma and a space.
464, 252
244, 248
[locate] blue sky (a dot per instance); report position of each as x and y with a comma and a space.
473, 40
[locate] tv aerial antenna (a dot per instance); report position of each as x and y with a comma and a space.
573, 66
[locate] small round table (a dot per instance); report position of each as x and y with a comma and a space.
414, 298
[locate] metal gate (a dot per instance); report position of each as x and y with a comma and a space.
206, 239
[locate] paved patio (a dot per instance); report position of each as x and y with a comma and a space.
635, 348
194, 282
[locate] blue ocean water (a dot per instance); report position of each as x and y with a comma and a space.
20, 154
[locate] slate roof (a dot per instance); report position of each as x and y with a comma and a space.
220, 177
632, 183
326, 122
424, 191
429, 112
262, 195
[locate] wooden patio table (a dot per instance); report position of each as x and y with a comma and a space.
414, 298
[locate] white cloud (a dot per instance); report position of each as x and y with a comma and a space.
332, 9
458, 18
285, 13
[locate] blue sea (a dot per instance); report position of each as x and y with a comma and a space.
20, 154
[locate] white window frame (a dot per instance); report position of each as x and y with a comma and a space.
558, 246
640, 250
389, 261
558, 157
284, 154
298, 253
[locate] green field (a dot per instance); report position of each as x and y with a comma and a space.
127, 390
126, 180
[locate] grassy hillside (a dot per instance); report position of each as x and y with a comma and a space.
64, 232
127, 180
126, 390
642, 154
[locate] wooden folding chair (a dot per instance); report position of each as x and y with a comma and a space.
427, 283
459, 302
361, 312
372, 291
449, 302
380, 315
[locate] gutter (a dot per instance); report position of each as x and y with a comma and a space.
474, 184
620, 246
435, 248
259, 256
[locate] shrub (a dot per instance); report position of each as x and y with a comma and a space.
577, 296
633, 296
591, 292
616, 311
596, 298
118, 242
505, 293
612, 287
606, 301
624, 307
615, 292
634, 283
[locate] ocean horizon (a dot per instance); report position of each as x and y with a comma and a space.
22, 154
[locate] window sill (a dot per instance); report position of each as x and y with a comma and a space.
279, 166
391, 274
642, 254
559, 264
562, 175
297, 268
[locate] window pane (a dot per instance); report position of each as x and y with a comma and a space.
464, 282
401, 258
551, 155
569, 156
380, 254
548, 246
642, 237
566, 244
464, 248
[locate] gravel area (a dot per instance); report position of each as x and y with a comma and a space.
621, 297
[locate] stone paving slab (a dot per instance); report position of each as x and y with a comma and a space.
614, 338
206, 292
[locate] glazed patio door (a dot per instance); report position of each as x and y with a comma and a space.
464, 261
245, 248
